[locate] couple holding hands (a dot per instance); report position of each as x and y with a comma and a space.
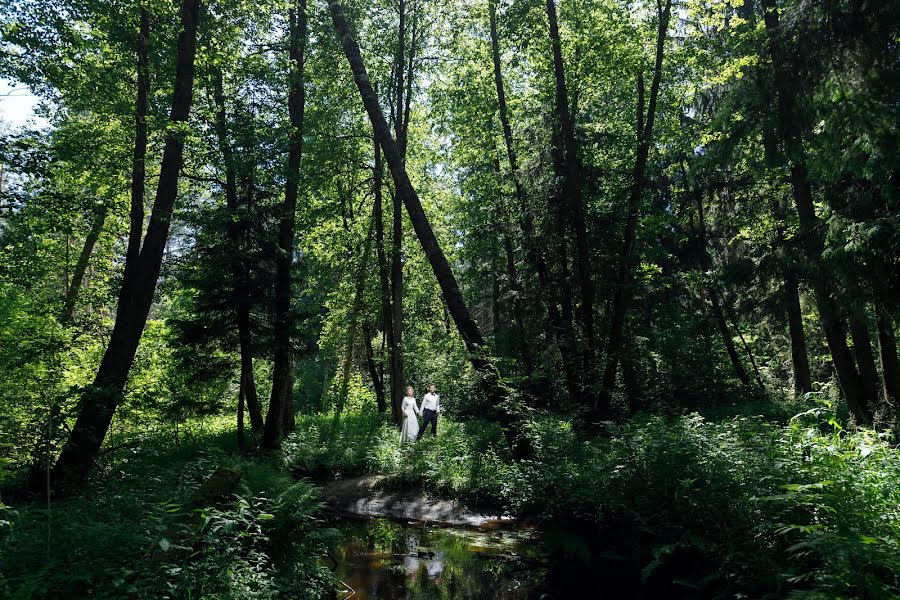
431, 406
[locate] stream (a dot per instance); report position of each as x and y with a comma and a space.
389, 559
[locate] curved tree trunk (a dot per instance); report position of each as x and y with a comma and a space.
468, 329
101, 399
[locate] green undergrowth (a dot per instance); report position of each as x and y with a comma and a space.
128, 534
695, 507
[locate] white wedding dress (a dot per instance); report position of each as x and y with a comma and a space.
410, 428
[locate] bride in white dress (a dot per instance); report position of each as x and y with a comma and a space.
410, 411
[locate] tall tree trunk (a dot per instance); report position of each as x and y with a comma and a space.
402, 94
239, 269
377, 382
81, 266
705, 261
790, 289
811, 226
138, 163
396, 354
727, 339
799, 357
572, 177
241, 438
355, 309
501, 221
468, 329
862, 349
533, 250
387, 316
623, 291
890, 363
100, 400
734, 323
281, 401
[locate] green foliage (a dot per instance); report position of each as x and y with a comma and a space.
742, 505
118, 539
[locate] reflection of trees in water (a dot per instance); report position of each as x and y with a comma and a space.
385, 559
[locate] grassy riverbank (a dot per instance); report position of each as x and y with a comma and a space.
685, 505
676, 505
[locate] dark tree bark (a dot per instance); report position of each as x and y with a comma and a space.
396, 353
240, 271
727, 339
734, 323
623, 292
890, 362
377, 381
281, 402
387, 315
799, 356
456, 305
810, 225
790, 289
533, 251
572, 177
100, 400
402, 94
81, 266
241, 437
862, 349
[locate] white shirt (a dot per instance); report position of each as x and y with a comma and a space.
431, 402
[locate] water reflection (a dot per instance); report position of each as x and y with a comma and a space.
384, 559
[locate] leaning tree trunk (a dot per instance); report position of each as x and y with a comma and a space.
811, 226
81, 266
100, 400
572, 177
623, 292
465, 324
280, 402
705, 261
239, 274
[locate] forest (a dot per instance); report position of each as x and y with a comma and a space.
634, 263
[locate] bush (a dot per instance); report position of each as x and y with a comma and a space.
128, 535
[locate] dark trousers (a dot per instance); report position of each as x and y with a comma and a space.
428, 415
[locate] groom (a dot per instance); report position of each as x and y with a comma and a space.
431, 406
